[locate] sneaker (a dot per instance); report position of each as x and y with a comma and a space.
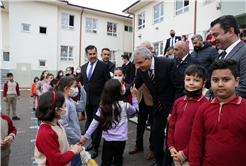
15, 118
33, 109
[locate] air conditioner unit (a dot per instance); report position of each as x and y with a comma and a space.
139, 35
218, 4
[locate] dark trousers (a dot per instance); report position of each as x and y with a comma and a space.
168, 160
96, 135
143, 113
159, 124
110, 149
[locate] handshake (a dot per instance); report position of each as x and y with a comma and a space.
77, 148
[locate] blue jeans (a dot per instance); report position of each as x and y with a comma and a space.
76, 161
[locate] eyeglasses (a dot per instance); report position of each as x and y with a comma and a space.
139, 63
92, 53
106, 54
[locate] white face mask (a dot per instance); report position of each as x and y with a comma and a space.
78, 71
63, 116
118, 78
75, 92
61, 74
45, 75
123, 61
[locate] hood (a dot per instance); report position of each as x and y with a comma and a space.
206, 44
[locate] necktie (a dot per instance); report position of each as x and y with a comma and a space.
222, 55
90, 71
171, 42
152, 79
180, 60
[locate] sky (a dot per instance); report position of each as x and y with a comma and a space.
113, 6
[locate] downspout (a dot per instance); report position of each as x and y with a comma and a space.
195, 17
80, 40
133, 28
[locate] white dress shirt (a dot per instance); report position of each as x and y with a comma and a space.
172, 40
89, 66
152, 67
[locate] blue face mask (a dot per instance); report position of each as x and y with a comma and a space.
171, 56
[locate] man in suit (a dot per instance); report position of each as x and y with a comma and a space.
204, 53
161, 78
129, 68
105, 54
145, 109
225, 33
94, 74
171, 41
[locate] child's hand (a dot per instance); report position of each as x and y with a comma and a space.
2, 143
78, 101
5, 99
82, 140
76, 148
173, 151
134, 91
8, 140
18, 97
179, 157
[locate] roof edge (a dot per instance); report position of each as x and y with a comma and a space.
131, 5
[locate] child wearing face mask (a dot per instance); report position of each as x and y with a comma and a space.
52, 147
33, 92
68, 86
47, 86
59, 75
41, 82
69, 71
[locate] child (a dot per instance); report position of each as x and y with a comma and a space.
68, 85
112, 117
33, 92
59, 75
54, 82
8, 133
39, 87
184, 111
69, 71
51, 143
219, 131
47, 86
120, 74
10, 90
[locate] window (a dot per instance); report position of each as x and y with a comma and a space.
111, 29
66, 53
42, 30
91, 25
67, 21
158, 48
158, 13
128, 53
128, 28
26, 27
113, 56
182, 6
141, 21
208, 1
42, 63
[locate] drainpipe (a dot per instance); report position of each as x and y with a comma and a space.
133, 28
195, 17
80, 39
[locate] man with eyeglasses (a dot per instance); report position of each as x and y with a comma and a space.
162, 79
94, 74
105, 58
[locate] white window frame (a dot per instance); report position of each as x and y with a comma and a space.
68, 57
112, 33
128, 27
160, 51
41, 60
160, 17
85, 58
43, 27
91, 30
112, 57
67, 26
182, 8
143, 21
22, 27
206, 1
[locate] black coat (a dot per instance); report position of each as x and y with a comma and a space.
177, 38
130, 72
111, 66
94, 87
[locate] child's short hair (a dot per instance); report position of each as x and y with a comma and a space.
65, 81
198, 70
48, 75
121, 68
225, 64
9, 74
35, 79
54, 81
45, 111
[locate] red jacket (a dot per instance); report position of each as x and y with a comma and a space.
129, 97
11, 128
5, 89
218, 136
181, 122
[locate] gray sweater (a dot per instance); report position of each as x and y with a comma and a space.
39, 87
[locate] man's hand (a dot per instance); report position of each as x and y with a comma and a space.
8, 140
168, 118
82, 140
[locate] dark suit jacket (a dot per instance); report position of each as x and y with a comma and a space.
130, 72
238, 54
94, 87
177, 38
168, 86
111, 66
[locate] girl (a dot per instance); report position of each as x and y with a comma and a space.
33, 92
59, 75
119, 74
39, 87
69, 71
68, 85
47, 86
112, 117
51, 143
184, 38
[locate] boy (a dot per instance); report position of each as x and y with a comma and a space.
47, 86
219, 131
10, 90
8, 132
184, 111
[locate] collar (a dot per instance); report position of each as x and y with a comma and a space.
236, 101
228, 50
127, 63
93, 63
152, 66
196, 98
104, 62
184, 57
